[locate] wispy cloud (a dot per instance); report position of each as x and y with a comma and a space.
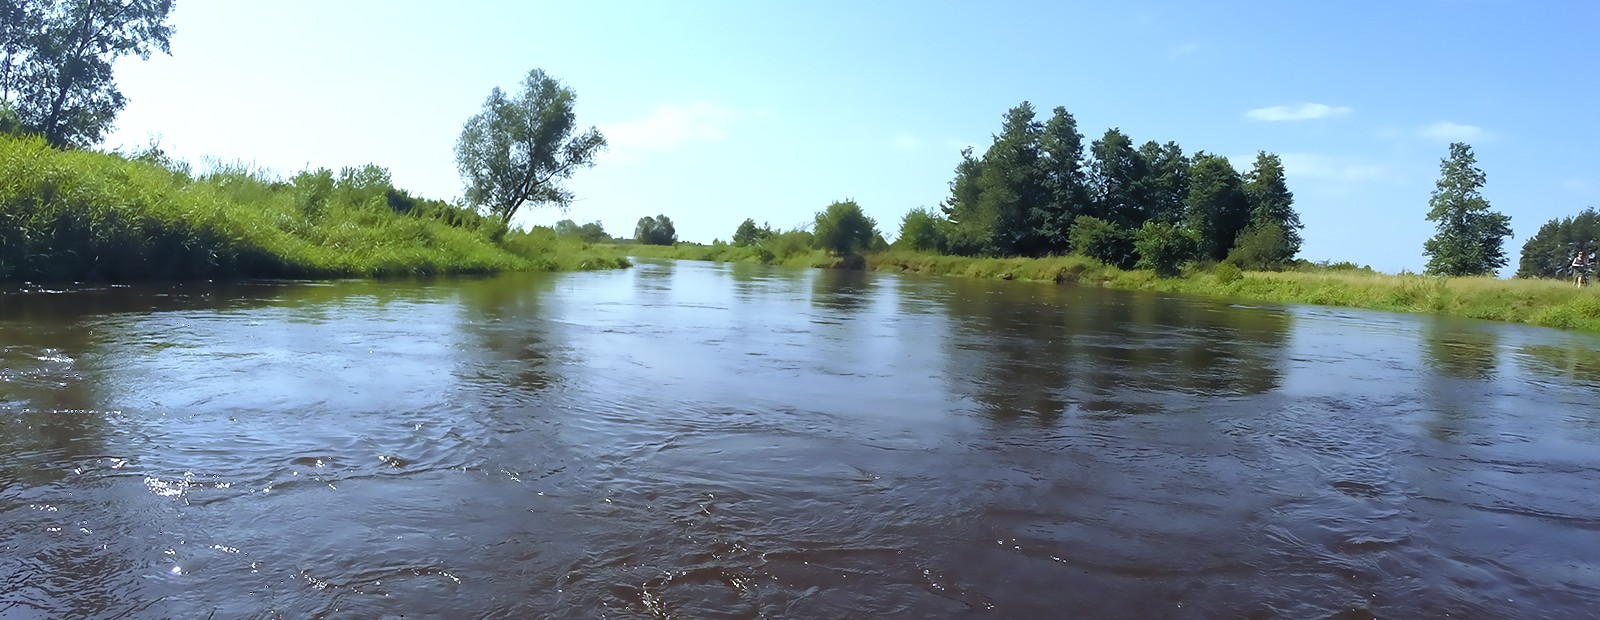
1297, 112
1577, 185
1334, 168
1446, 131
668, 127
907, 142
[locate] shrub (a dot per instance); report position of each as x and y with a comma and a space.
1164, 247
922, 231
1262, 247
1103, 241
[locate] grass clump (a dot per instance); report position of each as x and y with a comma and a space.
88, 216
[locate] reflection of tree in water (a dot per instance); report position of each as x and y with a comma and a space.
1577, 361
842, 290
509, 316
1455, 352
1460, 351
1025, 350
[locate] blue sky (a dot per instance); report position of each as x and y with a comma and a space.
718, 111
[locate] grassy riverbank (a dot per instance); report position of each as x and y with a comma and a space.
88, 216
1546, 303
769, 254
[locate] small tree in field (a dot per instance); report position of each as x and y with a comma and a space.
843, 229
656, 230
520, 147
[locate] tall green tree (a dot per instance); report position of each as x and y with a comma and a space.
1549, 252
748, 233
1471, 237
1216, 209
969, 229
521, 147
1012, 185
923, 231
1065, 180
656, 230
1117, 177
56, 68
844, 229
1166, 180
1273, 235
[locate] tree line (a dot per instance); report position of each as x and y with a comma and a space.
1038, 191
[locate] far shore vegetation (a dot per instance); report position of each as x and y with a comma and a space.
72, 213
1040, 206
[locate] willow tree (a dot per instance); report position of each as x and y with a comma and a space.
520, 148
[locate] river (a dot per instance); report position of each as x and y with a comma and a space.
705, 440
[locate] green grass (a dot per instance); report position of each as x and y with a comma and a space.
88, 216
1547, 303
772, 254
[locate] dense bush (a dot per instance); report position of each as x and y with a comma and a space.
843, 229
1165, 247
1103, 241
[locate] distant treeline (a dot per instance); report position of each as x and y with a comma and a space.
1036, 192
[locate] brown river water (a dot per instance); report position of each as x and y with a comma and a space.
699, 440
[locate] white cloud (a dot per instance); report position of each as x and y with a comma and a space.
1297, 112
906, 142
668, 127
1577, 185
1333, 168
1446, 131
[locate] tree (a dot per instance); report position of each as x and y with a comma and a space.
1548, 253
591, 232
1471, 238
749, 234
1066, 184
1166, 180
1272, 206
1012, 185
520, 148
656, 230
56, 68
969, 230
843, 229
922, 231
1117, 176
1216, 209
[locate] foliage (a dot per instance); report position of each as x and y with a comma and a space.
922, 231
970, 229
56, 67
1272, 210
1226, 273
656, 230
1263, 246
843, 229
1164, 247
1166, 181
1534, 302
749, 234
1065, 181
1549, 252
84, 216
519, 148
1103, 241
1471, 238
591, 232
1217, 209
1013, 185
1117, 177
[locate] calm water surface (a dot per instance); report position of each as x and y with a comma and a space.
697, 440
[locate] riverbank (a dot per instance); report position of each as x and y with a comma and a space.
89, 216
1547, 303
